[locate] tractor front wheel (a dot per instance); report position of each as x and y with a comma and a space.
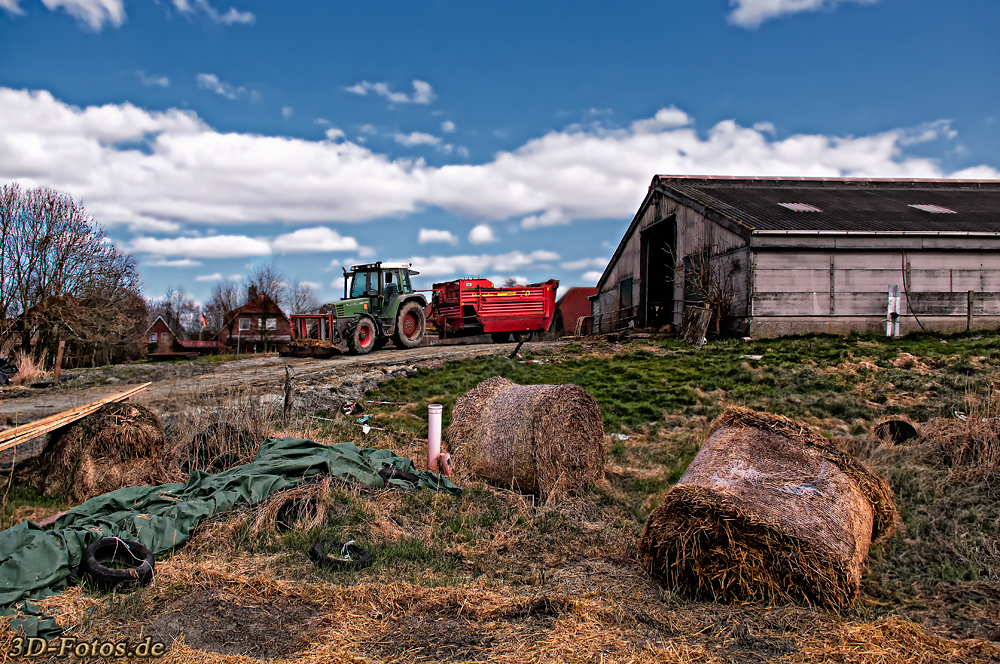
410, 326
361, 340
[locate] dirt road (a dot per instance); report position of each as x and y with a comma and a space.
315, 380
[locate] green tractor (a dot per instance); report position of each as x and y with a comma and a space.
379, 305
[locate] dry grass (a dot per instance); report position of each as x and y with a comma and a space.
29, 370
495, 575
120, 445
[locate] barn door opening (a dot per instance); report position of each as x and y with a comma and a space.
658, 252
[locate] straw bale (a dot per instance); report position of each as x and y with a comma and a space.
120, 445
767, 510
542, 439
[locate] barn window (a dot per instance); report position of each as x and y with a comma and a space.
800, 207
625, 294
152, 338
272, 323
244, 324
933, 209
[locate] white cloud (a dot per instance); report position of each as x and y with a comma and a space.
212, 82
368, 129
584, 263
500, 279
190, 173
92, 13
592, 277
429, 235
215, 246
423, 93
148, 79
553, 217
481, 234
161, 262
209, 277
416, 138
313, 240
436, 266
287, 111
447, 126
665, 118
227, 18
764, 127
322, 122
751, 13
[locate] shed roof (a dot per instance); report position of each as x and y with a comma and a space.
575, 303
845, 204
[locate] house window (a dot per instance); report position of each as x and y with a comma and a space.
272, 323
152, 338
244, 324
625, 294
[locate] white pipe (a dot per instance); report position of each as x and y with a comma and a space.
433, 435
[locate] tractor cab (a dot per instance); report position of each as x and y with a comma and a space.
378, 287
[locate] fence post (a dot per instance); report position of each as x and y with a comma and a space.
968, 314
59, 359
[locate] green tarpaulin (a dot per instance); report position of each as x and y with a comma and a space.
35, 563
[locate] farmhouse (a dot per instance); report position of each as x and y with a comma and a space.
258, 326
775, 256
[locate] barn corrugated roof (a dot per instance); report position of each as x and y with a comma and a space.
851, 205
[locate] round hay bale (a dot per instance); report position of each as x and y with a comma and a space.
120, 445
767, 511
536, 438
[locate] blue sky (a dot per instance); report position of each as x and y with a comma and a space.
500, 139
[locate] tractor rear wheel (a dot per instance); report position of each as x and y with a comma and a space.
361, 339
500, 337
410, 326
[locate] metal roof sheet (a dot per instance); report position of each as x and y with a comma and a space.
848, 205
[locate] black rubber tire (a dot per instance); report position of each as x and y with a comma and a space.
362, 335
411, 325
320, 556
390, 473
290, 512
523, 336
898, 431
500, 337
114, 549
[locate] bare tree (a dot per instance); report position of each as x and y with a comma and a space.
302, 298
60, 276
266, 287
179, 311
226, 298
510, 282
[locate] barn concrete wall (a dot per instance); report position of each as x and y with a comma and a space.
841, 290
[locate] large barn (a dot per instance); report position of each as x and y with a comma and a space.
774, 256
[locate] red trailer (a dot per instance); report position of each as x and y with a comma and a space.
474, 306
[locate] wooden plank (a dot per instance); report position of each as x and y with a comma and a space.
793, 260
866, 281
792, 304
792, 281
26, 432
868, 260
863, 304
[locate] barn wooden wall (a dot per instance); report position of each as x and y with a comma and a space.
695, 234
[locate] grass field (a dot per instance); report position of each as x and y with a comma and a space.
493, 575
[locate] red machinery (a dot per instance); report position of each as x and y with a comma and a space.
474, 306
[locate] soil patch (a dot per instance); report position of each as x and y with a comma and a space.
456, 632
231, 625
